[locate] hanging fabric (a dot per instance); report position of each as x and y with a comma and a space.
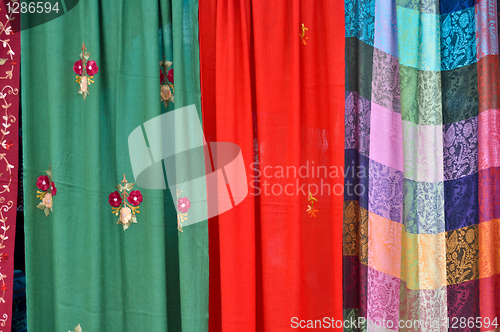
421, 241
10, 36
83, 269
272, 82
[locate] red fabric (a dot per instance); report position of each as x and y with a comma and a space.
207, 23
9, 149
283, 103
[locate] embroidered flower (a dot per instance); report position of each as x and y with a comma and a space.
115, 199
166, 82
135, 197
43, 182
125, 203
47, 200
170, 76
47, 189
92, 68
165, 93
125, 215
183, 204
78, 67
85, 70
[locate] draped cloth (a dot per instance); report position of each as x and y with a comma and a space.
280, 98
81, 267
10, 53
421, 240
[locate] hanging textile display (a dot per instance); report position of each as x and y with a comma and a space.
10, 37
421, 232
273, 83
84, 271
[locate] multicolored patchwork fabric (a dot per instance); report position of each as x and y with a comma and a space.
422, 222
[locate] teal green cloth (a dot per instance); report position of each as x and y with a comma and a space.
83, 268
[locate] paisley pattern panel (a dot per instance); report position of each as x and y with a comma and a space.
423, 123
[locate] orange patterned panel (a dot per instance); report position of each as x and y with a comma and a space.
384, 245
489, 248
462, 254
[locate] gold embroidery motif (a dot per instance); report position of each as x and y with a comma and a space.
303, 37
310, 208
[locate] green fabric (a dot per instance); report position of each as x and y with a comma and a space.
83, 268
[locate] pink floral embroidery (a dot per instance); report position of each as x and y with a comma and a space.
78, 67
183, 205
84, 77
91, 68
125, 205
135, 197
166, 82
47, 191
170, 76
115, 199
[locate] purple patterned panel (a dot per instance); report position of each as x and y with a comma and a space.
385, 84
383, 297
385, 197
357, 123
463, 301
460, 155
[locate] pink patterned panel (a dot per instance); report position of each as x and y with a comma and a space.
386, 131
383, 298
489, 139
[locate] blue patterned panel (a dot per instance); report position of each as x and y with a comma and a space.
418, 39
450, 6
360, 19
458, 39
386, 27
